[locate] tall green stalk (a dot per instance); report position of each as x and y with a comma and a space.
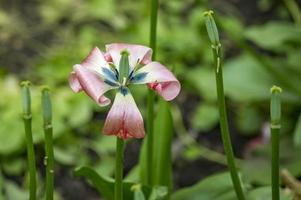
27, 117
49, 158
275, 109
216, 48
119, 169
151, 96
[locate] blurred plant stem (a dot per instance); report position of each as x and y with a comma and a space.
291, 84
216, 49
27, 117
275, 109
151, 95
49, 158
294, 10
118, 191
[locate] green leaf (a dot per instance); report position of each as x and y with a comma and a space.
246, 80
105, 185
214, 187
297, 133
163, 134
202, 79
264, 193
274, 35
248, 119
138, 193
13, 192
205, 117
158, 193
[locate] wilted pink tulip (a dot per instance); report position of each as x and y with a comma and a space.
120, 66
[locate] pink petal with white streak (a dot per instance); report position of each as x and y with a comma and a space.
82, 78
138, 53
95, 61
124, 119
159, 78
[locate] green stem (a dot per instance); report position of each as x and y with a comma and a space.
29, 140
151, 96
49, 158
293, 8
224, 123
275, 163
119, 169
30, 157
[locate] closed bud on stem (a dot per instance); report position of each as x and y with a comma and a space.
26, 100
275, 107
211, 28
46, 105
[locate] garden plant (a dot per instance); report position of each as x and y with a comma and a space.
150, 100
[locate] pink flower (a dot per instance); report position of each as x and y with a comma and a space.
120, 66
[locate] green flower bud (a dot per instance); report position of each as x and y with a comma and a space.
211, 28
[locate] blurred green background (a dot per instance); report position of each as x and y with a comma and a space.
42, 39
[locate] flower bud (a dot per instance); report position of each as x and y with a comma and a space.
275, 107
211, 28
26, 100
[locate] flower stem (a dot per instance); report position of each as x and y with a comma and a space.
216, 49
119, 169
29, 141
224, 124
49, 158
275, 131
151, 96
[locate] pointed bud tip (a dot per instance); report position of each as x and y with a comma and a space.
275, 89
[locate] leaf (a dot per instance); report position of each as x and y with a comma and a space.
163, 131
274, 35
264, 193
205, 117
138, 193
248, 120
13, 192
202, 78
213, 187
297, 133
163, 134
256, 167
246, 80
105, 185
158, 193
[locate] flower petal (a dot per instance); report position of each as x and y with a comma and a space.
138, 53
124, 119
82, 78
96, 62
159, 78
